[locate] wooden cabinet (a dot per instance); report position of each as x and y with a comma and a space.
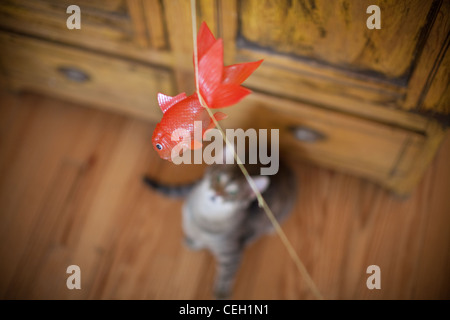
377, 98
93, 78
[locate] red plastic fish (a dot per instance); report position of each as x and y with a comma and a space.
219, 87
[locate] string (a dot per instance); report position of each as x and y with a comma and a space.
261, 201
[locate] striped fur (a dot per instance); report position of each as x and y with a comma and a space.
173, 191
221, 214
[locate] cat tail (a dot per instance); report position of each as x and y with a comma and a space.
173, 191
220, 86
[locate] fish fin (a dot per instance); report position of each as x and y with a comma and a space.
165, 102
219, 86
237, 73
205, 40
220, 116
227, 95
210, 69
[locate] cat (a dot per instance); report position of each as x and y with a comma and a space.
221, 213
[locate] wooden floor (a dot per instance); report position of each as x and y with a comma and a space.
71, 194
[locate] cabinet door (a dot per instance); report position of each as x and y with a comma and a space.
323, 52
79, 75
131, 28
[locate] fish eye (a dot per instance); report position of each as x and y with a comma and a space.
159, 146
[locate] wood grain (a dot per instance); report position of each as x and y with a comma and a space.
37, 65
437, 99
100, 23
71, 193
321, 52
114, 27
154, 18
394, 155
135, 9
320, 30
429, 78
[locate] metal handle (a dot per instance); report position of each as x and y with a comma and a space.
306, 134
74, 74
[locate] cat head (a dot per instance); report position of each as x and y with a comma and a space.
226, 188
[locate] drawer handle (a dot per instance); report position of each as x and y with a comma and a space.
306, 134
74, 74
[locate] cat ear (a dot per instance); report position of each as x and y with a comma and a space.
261, 182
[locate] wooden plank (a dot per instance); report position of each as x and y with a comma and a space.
393, 156
313, 30
154, 17
317, 85
437, 99
109, 28
49, 20
429, 63
41, 65
228, 26
421, 153
431, 271
179, 25
27, 181
79, 170
35, 252
207, 11
135, 8
340, 87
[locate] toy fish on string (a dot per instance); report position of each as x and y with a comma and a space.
219, 86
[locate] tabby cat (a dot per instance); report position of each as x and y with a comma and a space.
221, 213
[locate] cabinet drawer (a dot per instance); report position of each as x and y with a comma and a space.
100, 20
125, 26
84, 76
378, 151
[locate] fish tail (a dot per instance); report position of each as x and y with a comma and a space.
220, 86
